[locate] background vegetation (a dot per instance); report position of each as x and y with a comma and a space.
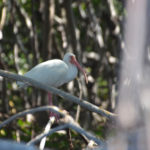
32, 31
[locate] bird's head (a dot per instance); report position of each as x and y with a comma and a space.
71, 58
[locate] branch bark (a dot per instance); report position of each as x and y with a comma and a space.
61, 93
68, 122
3, 17
33, 110
64, 126
47, 129
7, 145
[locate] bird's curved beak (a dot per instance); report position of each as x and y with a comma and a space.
75, 62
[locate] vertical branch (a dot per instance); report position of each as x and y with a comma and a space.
51, 20
34, 38
116, 19
5, 104
95, 24
79, 107
26, 18
3, 19
48, 11
72, 28
69, 139
46, 130
16, 59
45, 27
75, 42
4, 97
62, 24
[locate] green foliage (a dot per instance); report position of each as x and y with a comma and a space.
119, 7
26, 4
25, 128
61, 141
103, 88
56, 141
83, 6
100, 131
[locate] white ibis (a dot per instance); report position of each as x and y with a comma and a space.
55, 72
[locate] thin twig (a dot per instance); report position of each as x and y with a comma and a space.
85, 133
61, 93
80, 97
69, 139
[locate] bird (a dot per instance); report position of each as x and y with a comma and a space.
55, 73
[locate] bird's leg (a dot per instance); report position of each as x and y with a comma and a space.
50, 98
51, 104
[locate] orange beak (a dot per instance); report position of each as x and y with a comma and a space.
75, 62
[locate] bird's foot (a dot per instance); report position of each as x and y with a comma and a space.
56, 116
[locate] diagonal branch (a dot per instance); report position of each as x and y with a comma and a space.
61, 93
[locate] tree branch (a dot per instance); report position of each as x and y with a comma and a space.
69, 123
66, 122
47, 129
41, 136
3, 15
61, 93
8, 144
64, 126
33, 110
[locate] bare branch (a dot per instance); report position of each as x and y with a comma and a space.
80, 97
67, 119
3, 16
95, 24
3, 19
48, 13
64, 126
70, 124
47, 129
30, 26
73, 30
33, 110
41, 136
85, 133
61, 93
7, 145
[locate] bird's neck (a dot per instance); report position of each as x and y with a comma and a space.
72, 72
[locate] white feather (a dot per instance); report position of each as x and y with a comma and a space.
53, 72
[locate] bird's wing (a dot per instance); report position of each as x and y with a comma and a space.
52, 72
21, 84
